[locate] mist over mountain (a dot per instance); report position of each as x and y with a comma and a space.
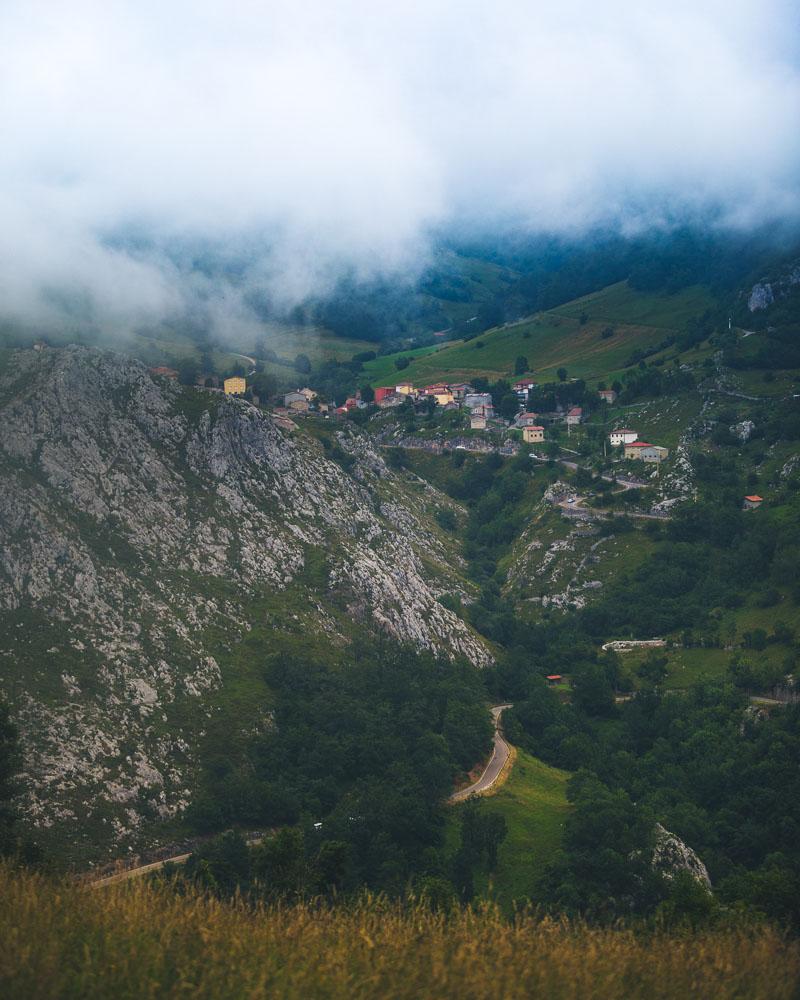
200, 161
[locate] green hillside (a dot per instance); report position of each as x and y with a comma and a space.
533, 803
574, 336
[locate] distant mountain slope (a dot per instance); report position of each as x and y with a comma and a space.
156, 542
593, 337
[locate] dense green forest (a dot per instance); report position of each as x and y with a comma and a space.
360, 757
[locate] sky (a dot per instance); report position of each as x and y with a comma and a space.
308, 137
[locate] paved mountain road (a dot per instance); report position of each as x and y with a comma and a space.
494, 768
491, 773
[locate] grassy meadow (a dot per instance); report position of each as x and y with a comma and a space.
534, 804
570, 336
142, 941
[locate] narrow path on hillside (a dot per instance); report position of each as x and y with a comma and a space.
246, 357
153, 866
494, 768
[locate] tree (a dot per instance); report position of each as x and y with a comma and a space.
402, 362
562, 374
302, 364
280, 863
188, 370
521, 365
509, 405
367, 393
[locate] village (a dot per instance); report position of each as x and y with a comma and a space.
476, 407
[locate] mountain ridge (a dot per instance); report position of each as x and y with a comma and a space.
156, 527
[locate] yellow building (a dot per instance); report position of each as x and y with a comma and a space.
532, 434
442, 398
404, 388
235, 386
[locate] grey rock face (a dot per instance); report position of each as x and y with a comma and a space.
764, 293
743, 430
137, 519
761, 296
671, 855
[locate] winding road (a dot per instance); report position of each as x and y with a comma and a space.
500, 755
494, 768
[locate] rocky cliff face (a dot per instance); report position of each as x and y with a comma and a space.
764, 293
146, 531
671, 855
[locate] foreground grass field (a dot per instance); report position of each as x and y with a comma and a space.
534, 804
138, 941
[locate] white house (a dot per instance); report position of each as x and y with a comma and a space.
623, 437
522, 388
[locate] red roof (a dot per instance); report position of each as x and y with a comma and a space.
161, 370
639, 444
754, 498
553, 677
576, 411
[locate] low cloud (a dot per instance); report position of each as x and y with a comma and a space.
309, 139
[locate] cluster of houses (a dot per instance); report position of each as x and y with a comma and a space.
635, 449
448, 395
306, 401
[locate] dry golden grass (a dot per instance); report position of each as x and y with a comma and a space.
135, 940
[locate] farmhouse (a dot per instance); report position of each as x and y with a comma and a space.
532, 434
404, 388
441, 392
752, 502
383, 392
164, 372
390, 400
479, 401
296, 402
234, 386
478, 418
308, 393
622, 437
460, 390
645, 452
525, 419
574, 416
522, 388
608, 395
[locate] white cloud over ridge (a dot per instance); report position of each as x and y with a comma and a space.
347, 131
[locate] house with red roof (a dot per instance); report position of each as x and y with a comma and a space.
574, 416
752, 502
